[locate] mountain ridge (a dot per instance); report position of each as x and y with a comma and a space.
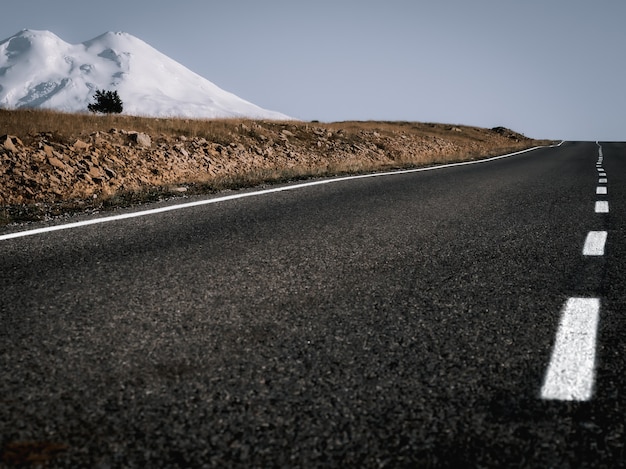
40, 70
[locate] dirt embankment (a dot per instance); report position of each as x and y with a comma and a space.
50, 168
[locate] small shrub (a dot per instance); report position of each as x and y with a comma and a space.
107, 102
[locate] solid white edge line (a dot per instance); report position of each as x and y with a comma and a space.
170, 208
571, 373
602, 206
594, 243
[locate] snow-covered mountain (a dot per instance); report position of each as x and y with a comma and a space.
40, 70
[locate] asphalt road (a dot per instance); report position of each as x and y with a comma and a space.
395, 321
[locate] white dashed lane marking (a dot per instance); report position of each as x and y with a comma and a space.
602, 206
594, 243
570, 374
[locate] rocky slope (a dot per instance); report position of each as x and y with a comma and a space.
46, 168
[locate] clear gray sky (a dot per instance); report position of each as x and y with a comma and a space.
546, 68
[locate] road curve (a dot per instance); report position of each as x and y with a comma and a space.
376, 322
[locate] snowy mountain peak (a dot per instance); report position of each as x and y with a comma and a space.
29, 41
40, 70
34, 35
118, 39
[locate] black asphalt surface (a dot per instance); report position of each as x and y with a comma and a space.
397, 321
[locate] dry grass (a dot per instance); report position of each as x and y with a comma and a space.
66, 126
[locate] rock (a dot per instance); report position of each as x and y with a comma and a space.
8, 145
57, 163
80, 145
182, 151
141, 139
9, 142
95, 172
48, 150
